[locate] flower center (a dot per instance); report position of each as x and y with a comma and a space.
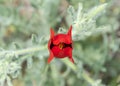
61, 45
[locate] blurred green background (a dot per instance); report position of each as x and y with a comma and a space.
97, 57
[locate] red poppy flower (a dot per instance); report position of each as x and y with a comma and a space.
60, 45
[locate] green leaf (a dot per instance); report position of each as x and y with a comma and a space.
96, 11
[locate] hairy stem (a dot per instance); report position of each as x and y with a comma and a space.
23, 51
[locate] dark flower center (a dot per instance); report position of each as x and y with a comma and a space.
61, 45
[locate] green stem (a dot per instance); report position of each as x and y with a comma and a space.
30, 50
23, 51
86, 76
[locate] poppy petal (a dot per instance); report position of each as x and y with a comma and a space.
51, 33
60, 45
69, 31
70, 55
50, 57
71, 59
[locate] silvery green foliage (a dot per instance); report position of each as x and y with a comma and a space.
8, 69
84, 23
11, 60
37, 16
